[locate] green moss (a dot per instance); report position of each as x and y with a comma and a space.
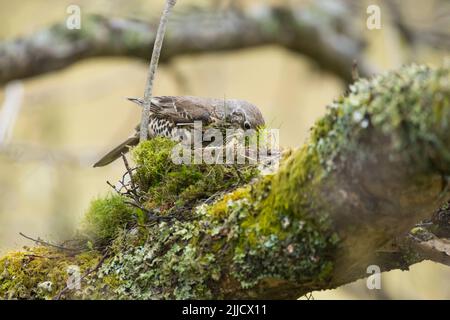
279, 237
171, 186
106, 217
408, 108
153, 158
220, 209
40, 272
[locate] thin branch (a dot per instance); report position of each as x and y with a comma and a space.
40, 256
87, 273
48, 244
153, 67
132, 192
355, 71
129, 171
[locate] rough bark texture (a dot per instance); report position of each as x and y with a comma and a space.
321, 33
372, 169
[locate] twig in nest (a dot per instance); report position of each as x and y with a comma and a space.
238, 173
87, 273
355, 71
131, 191
39, 256
129, 171
48, 244
309, 296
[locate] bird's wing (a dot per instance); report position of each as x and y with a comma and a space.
181, 110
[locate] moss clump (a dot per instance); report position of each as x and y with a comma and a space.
220, 208
170, 186
41, 273
106, 217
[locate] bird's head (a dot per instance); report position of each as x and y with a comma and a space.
244, 115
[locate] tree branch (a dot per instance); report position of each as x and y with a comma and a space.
327, 38
374, 166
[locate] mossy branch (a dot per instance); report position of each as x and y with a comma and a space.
374, 166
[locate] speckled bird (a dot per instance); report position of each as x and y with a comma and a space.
169, 114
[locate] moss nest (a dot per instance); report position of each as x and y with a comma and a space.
171, 186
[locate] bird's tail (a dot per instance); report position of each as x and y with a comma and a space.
117, 151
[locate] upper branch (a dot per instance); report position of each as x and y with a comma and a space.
327, 38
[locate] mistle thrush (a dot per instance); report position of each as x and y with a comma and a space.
171, 114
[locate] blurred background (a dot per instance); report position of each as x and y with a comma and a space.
69, 118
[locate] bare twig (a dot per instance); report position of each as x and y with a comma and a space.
153, 66
87, 273
129, 171
48, 244
355, 71
131, 192
40, 256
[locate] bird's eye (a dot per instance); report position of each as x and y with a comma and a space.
247, 125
